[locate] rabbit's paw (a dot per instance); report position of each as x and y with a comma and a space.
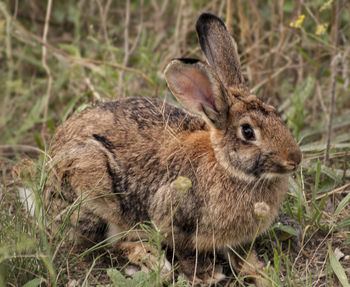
206, 278
200, 270
251, 269
143, 257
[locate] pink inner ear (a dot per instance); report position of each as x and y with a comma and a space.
193, 89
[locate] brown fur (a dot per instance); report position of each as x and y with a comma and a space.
120, 159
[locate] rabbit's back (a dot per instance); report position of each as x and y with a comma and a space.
122, 122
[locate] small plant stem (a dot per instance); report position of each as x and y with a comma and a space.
10, 67
229, 16
44, 63
255, 236
196, 262
173, 241
126, 48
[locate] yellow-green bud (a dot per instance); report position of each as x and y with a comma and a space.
182, 184
261, 209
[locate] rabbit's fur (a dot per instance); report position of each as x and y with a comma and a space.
122, 157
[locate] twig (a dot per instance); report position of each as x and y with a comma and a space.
15, 13
84, 61
275, 74
306, 7
334, 191
229, 17
220, 9
176, 36
126, 47
345, 165
164, 5
139, 31
103, 18
155, 5
320, 97
334, 64
333, 82
321, 155
44, 63
91, 87
23, 148
129, 51
316, 250
345, 63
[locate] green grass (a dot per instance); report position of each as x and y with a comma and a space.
287, 67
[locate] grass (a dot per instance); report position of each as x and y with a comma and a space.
94, 53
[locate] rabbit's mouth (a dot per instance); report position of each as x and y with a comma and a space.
272, 165
266, 167
280, 170
291, 167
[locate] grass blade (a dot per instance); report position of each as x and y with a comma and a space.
337, 268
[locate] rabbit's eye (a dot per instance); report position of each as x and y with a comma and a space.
248, 132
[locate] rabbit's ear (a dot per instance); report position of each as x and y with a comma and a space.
197, 87
220, 49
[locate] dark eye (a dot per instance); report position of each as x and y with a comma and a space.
248, 132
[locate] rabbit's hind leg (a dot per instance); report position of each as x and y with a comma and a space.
87, 229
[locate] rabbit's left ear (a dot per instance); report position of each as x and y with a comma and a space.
197, 88
220, 49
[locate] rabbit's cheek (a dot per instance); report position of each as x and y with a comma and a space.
248, 160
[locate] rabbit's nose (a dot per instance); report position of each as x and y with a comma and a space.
294, 157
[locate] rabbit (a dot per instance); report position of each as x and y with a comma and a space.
120, 159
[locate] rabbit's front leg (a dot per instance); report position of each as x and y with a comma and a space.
142, 256
172, 214
248, 265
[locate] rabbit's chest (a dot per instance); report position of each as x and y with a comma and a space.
235, 216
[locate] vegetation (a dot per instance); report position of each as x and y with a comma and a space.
58, 57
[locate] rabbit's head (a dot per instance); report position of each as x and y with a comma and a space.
249, 138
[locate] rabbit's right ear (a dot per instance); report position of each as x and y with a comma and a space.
197, 87
220, 49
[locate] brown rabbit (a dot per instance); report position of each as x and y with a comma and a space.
118, 160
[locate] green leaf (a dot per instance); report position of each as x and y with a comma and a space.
343, 224
33, 283
337, 268
288, 6
140, 277
69, 107
116, 276
51, 125
305, 55
81, 108
342, 204
3, 274
285, 228
38, 141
